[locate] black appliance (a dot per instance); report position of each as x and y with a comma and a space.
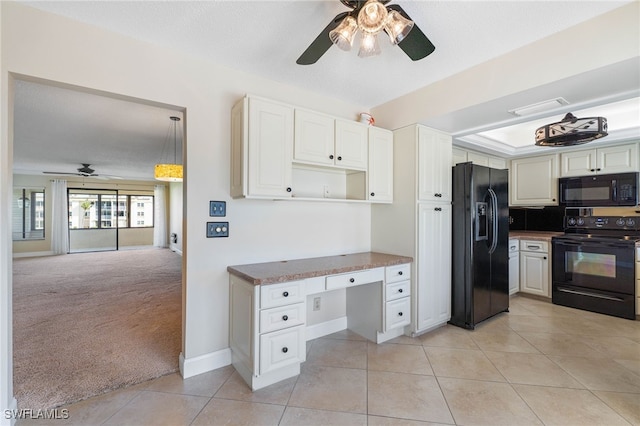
612, 190
480, 239
593, 264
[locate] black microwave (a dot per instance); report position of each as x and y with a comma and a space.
613, 190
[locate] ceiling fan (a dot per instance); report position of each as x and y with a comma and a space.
84, 171
370, 17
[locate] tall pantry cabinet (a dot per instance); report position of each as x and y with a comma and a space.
418, 223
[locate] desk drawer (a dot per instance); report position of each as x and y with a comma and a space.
282, 348
397, 290
398, 313
398, 273
282, 317
354, 278
272, 295
530, 245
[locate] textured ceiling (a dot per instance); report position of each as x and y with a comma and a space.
265, 38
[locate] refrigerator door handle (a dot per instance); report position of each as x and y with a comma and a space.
494, 220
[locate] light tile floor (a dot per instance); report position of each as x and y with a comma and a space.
538, 364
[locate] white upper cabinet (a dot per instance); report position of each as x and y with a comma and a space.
460, 155
351, 144
611, 159
314, 137
262, 143
434, 174
534, 181
380, 169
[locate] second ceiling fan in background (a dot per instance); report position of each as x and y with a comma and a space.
370, 18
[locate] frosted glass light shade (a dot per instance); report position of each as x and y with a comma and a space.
342, 35
397, 26
372, 16
168, 172
369, 45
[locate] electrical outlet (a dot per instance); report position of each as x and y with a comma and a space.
217, 229
316, 303
217, 208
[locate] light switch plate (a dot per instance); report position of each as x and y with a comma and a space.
218, 208
217, 229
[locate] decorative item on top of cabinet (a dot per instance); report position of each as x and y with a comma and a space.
610, 159
534, 181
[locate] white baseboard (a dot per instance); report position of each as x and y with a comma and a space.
11, 421
33, 254
203, 363
325, 328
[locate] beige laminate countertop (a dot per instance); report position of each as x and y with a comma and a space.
298, 269
534, 235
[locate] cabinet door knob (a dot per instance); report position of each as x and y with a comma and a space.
339, 158
399, 290
592, 170
399, 272
285, 349
352, 280
437, 194
438, 209
331, 157
285, 317
373, 194
288, 189
545, 258
597, 170
399, 314
285, 294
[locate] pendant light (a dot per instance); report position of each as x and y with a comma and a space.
171, 172
571, 131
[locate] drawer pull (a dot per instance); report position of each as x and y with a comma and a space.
352, 280
534, 247
399, 272
285, 294
285, 317
399, 314
285, 349
399, 290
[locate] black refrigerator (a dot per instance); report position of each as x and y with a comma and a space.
480, 239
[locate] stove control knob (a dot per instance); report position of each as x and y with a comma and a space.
631, 222
571, 221
580, 221
620, 222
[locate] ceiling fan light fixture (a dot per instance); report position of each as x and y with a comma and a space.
397, 26
369, 45
372, 17
571, 131
170, 172
343, 35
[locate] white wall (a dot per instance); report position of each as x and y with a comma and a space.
175, 215
44, 46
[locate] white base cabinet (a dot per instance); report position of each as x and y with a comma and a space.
514, 266
534, 268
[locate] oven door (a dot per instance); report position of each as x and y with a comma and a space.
605, 264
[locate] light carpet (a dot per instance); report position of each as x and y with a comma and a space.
88, 323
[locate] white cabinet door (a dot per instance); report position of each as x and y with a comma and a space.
380, 171
351, 144
497, 163
270, 148
458, 156
434, 165
534, 273
577, 163
617, 159
433, 284
314, 137
514, 273
476, 158
534, 181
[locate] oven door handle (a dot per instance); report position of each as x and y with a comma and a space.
590, 294
594, 244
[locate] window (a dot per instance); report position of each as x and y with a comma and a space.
89, 210
27, 209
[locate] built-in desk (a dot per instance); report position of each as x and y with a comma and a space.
268, 307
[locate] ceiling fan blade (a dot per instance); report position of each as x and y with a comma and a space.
62, 173
321, 44
416, 45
